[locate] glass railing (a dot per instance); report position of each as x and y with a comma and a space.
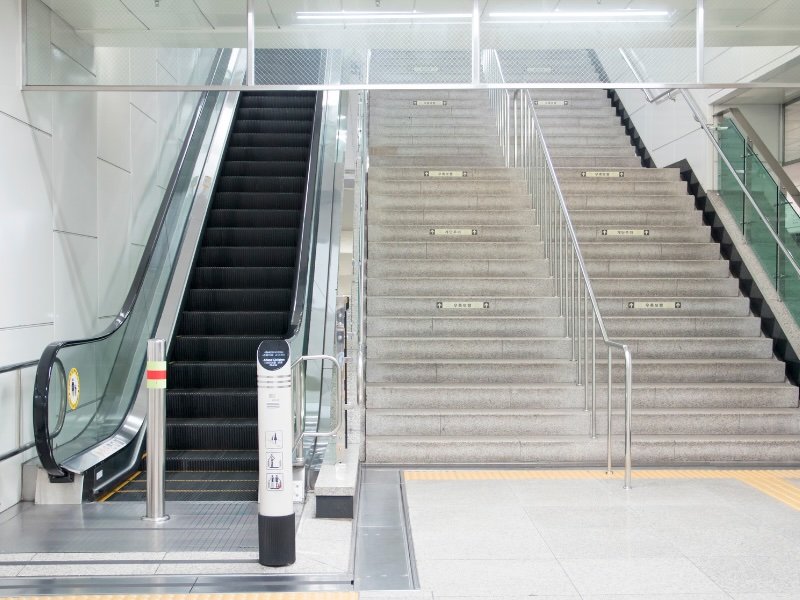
779, 212
87, 386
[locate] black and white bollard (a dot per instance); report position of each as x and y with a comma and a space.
276, 537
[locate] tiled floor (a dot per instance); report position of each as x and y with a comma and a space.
678, 539
199, 539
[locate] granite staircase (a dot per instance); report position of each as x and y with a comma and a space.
468, 360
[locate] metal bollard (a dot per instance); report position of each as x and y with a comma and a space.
156, 429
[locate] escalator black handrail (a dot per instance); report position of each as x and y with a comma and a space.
41, 391
306, 227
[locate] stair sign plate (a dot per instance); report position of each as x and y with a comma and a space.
469, 304
452, 231
430, 69
429, 103
625, 232
603, 174
670, 305
445, 174
551, 102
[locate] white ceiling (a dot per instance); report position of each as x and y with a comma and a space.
203, 16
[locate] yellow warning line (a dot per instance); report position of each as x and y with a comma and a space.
771, 482
120, 486
248, 596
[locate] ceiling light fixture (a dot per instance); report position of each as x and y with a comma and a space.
376, 15
599, 14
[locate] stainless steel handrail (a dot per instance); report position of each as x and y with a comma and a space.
701, 120
564, 253
363, 158
646, 91
298, 400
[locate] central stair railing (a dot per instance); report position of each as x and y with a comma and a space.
525, 147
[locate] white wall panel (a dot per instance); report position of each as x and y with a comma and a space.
26, 239
33, 108
113, 219
74, 162
75, 276
144, 158
113, 128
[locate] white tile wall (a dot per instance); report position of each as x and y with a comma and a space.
113, 219
75, 279
113, 128
146, 195
74, 162
26, 227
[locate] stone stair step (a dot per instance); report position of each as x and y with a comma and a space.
662, 288
569, 422
485, 233
450, 250
401, 174
419, 306
466, 327
543, 347
447, 287
437, 130
443, 218
422, 121
638, 202
639, 235
736, 306
656, 450
569, 395
665, 251
680, 326
464, 371
457, 268
685, 217
449, 186
415, 348
464, 422
658, 268
584, 185
611, 150
465, 201
385, 110
555, 140
553, 122
442, 161
467, 149
597, 162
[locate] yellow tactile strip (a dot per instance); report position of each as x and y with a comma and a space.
252, 596
769, 481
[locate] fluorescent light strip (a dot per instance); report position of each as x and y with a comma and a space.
624, 14
359, 16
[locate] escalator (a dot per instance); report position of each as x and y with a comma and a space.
239, 293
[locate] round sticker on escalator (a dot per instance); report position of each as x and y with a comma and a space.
73, 388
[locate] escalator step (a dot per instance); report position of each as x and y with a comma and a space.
209, 374
249, 103
265, 124
249, 183
271, 153
270, 140
216, 348
269, 256
272, 168
239, 299
256, 200
268, 324
243, 277
212, 460
226, 217
219, 403
250, 236
275, 113
212, 434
